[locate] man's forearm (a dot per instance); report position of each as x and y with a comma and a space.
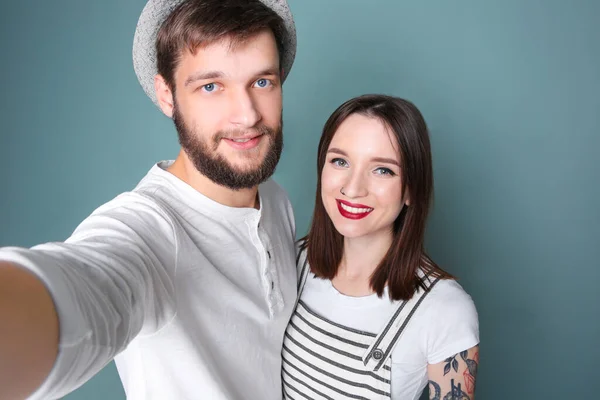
28, 332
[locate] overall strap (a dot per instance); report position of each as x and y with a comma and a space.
381, 348
303, 269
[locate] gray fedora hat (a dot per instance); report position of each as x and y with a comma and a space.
156, 12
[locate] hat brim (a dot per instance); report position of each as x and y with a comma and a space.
156, 12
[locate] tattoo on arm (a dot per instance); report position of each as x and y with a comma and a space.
434, 391
455, 392
451, 363
470, 373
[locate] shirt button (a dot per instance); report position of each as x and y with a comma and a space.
377, 354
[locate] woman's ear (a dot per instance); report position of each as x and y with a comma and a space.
406, 199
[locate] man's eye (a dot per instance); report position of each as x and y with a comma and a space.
263, 83
209, 87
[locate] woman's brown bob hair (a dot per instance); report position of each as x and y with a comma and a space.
399, 268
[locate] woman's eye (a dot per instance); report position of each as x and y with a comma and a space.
339, 162
384, 171
263, 83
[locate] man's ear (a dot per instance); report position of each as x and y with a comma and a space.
164, 95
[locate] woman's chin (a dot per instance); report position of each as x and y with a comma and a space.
350, 232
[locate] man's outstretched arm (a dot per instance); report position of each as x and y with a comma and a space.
28, 332
68, 308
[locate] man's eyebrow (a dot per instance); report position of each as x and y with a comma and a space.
206, 75
376, 159
268, 71
203, 75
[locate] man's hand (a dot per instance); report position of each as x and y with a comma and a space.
28, 332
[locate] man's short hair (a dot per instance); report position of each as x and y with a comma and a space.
197, 23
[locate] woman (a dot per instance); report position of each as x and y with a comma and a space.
376, 317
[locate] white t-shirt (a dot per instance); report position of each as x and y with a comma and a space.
445, 324
191, 296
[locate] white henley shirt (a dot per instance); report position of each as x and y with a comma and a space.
190, 297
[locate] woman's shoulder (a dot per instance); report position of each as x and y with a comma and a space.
448, 296
448, 289
445, 323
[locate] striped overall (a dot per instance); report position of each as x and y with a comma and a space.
325, 360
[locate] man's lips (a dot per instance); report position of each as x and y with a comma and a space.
244, 142
245, 137
353, 210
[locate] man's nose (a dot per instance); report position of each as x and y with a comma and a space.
244, 113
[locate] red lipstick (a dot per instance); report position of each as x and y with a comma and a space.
350, 214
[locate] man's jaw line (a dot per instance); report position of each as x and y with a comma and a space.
187, 172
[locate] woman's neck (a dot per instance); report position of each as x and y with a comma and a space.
360, 259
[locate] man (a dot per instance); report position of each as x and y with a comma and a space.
188, 281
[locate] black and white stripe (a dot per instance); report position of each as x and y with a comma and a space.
325, 360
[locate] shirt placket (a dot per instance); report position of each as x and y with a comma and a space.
270, 280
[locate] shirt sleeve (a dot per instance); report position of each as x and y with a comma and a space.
110, 281
454, 324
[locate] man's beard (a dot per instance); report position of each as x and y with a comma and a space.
215, 167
